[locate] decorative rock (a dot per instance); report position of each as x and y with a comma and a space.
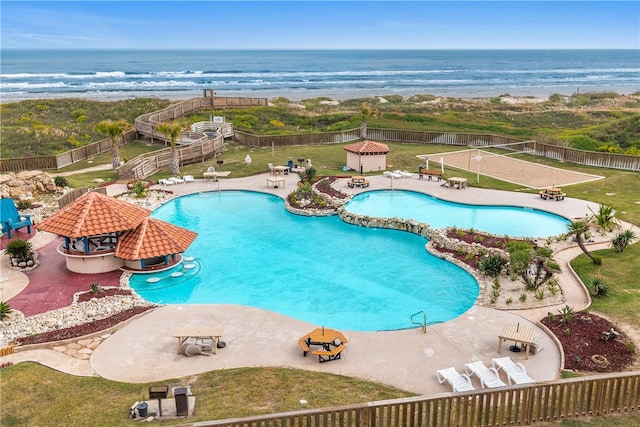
17, 326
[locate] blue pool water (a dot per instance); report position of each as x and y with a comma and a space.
251, 251
504, 220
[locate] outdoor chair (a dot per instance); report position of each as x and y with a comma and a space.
488, 376
516, 372
11, 218
188, 178
457, 381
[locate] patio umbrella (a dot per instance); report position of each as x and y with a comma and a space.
93, 214
153, 238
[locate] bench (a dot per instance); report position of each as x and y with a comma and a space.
304, 346
430, 174
329, 355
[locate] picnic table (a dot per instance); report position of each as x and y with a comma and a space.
211, 333
358, 181
325, 337
552, 193
517, 334
457, 182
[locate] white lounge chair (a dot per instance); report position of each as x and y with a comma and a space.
404, 174
188, 178
391, 174
458, 382
176, 179
516, 372
166, 182
488, 376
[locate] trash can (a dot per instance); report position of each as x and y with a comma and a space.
142, 409
182, 401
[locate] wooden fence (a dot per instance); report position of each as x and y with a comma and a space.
73, 194
64, 159
146, 124
552, 401
386, 135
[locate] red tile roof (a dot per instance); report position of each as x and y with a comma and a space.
367, 148
94, 214
153, 238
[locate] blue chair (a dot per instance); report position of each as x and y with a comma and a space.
290, 165
11, 218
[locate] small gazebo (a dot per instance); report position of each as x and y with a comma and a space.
367, 156
153, 242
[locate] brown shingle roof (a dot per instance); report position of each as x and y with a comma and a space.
367, 147
152, 238
93, 214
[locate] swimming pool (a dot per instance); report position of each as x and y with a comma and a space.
251, 251
503, 220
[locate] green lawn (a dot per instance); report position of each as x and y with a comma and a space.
33, 395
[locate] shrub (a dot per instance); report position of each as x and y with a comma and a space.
622, 240
523, 297
5, 309
61, 181
18, 248
95, 288
139, 189
553, 286
567, 314
23, 204
598, 288
492, 266
540, 294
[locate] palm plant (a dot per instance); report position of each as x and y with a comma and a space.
598, 287
366, 110
113, 129
578, 228
19, 248
605, 218
172, 130
622, 240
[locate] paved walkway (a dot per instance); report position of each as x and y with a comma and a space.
144, 350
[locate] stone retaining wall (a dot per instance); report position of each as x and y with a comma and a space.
23, 185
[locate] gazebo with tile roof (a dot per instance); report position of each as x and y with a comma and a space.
367, 156
93, 227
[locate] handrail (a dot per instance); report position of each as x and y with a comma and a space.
422, 324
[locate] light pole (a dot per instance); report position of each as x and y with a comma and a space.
478, 158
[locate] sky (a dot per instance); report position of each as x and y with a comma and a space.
320, 24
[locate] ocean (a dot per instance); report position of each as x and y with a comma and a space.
301, 74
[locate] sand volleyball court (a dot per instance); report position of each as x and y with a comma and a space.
506, 168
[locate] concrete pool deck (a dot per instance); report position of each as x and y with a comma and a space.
145, 350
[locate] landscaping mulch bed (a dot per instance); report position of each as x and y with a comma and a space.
84, 329
581, 340
88, 296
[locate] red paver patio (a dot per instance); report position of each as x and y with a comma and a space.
51, 285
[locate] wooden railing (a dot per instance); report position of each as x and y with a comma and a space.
575, 398
147, 164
